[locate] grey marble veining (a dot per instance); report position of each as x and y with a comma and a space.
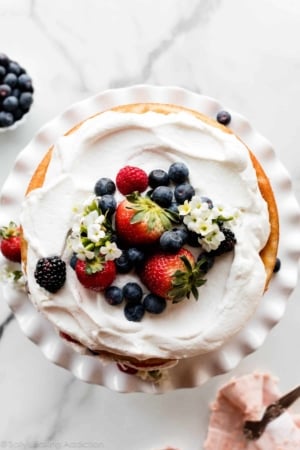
244, 53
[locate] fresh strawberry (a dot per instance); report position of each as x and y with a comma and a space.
130, 179
140, 221
95, 280
11, 242
173, 276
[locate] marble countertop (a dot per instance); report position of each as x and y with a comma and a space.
247, 55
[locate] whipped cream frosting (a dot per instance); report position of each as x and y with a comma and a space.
220, 168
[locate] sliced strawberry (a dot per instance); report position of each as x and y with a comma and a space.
96, 281
140, 221
11, 242
173, 276
130, 179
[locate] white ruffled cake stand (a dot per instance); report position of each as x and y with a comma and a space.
194, 371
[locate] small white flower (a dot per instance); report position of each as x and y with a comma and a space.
89, 219
95, 233
78, 248
204, 211
196, 202
212, 240
100, 219
185, 208
190, 222
14, 278
206, 227
111, 251
89, 201
76, 229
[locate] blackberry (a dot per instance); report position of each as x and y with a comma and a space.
50, 273
227, 244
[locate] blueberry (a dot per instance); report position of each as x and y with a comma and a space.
134, 312
107, 204
123, 263
183, 232
6, 119
10, 103
4, 60
223, 117
113, 295
18, 113
208, 201
193, 239
184, 192
154, 304
135, 255
15, 68
73, 261
132, 292
25, 82
171, 241
25, 100
2, 71
173, 208
11, 79
104, 186
207, 261
162, 195
158, 177
5, 90
16, 92
277, 266
178, 172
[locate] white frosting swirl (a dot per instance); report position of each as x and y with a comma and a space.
220, 167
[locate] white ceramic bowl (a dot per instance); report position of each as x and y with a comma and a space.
193, 371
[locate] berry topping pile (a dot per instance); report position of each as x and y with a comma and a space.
154, 228
16, 91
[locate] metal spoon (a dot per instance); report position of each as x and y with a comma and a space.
253, 429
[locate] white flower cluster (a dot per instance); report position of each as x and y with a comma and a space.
89, 235
203, 218
12, 277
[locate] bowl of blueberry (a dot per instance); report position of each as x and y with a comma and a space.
16, 93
